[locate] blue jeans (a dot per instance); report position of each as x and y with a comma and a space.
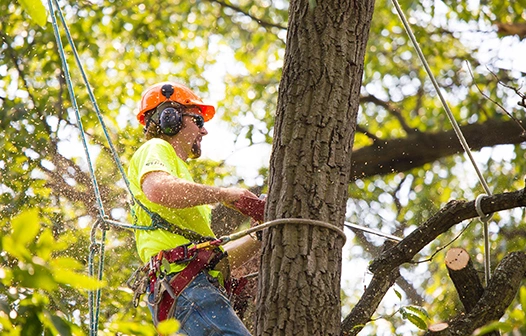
203, 310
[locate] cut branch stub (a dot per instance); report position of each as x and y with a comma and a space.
466, 280
438, 327
464, 277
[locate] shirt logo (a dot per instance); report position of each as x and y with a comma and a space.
155, 163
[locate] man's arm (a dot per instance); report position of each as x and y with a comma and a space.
172, 192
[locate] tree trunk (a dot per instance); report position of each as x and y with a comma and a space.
299, 282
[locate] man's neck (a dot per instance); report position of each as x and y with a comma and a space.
179, 150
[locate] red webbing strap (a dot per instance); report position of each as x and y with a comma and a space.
182, 279
179, 254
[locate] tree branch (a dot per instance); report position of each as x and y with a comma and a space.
452, 213
501, 290
388, 156
263, 23
389, 261
368, 303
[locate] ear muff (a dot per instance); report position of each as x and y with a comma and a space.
171, 120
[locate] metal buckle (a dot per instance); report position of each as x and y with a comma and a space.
186, 257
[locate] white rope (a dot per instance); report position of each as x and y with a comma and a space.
485, 219
453, 122
281, 221
372, 231
450, 116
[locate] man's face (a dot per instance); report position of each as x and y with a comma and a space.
192, 134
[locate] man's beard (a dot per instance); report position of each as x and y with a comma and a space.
196, 150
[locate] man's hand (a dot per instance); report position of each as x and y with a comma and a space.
252, 207
231, 195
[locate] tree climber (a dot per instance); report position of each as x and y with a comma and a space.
180, 277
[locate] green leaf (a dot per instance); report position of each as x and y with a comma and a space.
15, 250
36, 11
416, 315
25, 227
65, 263
45, 244
522, 296
76, 280
418, 310
417, 321
62, 326
40, 277
398, 294
495, 326
168, 327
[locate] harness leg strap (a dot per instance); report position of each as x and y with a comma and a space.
165, 308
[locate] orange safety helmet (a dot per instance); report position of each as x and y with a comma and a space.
159, 93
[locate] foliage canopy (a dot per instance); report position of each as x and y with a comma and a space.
233, 52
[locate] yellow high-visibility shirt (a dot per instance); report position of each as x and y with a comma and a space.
158, 155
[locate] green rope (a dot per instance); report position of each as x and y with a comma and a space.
100, 117
92, 294
76, 108
94, 298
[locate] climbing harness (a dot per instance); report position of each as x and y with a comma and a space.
154, 277
456, 128
165, 288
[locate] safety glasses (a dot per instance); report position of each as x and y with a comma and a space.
197, 119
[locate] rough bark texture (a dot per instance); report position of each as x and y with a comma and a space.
501, 290
299, 282
464, 277
453, 213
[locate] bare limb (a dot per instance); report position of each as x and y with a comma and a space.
391, 108
261, 22
396, 155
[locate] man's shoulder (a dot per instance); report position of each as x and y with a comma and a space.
152, 146
155, 142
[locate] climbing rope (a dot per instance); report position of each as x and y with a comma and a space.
103, 220
281, 221
67, 76
372, 231
94, 296
484, 218
455, 125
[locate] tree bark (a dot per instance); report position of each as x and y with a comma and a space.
464, 277
299, 282
466, 280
